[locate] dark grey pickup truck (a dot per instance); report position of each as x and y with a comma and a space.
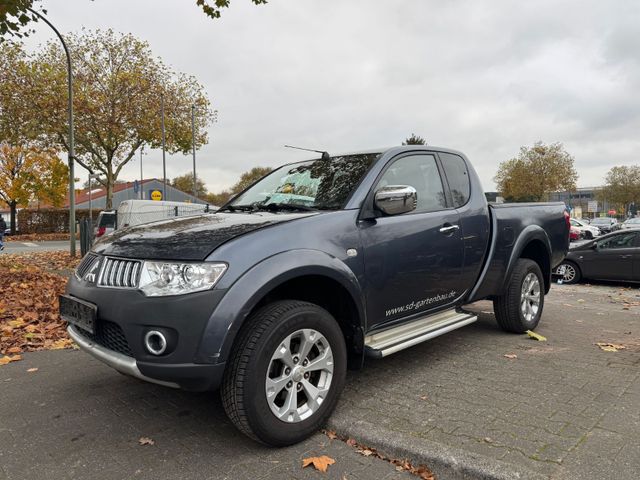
316, 266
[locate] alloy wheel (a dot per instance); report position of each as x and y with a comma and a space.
299, 375
530, 297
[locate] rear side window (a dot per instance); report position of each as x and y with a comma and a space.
458, 176
108, 221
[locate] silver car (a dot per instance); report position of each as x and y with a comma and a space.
586, 231
631, 223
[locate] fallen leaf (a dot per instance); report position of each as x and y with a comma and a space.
510, 355
31, 282
34, 369
8, 359
146, 441
366, 452
536, 336
610, 347
351, 442
319, 463
331, 434
424, 397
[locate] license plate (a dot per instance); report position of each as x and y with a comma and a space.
78, 312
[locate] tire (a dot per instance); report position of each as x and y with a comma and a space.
513, 312
253, 364
572, 273
588, 235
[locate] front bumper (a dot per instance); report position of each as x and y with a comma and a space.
188, 376
128, 314
118, 361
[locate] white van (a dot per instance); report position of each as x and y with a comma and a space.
137, 212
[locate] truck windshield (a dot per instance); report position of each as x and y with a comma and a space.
310, 185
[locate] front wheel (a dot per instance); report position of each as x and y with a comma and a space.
520, 308
286, 373
571, 272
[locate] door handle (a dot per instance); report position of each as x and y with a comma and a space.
449, 229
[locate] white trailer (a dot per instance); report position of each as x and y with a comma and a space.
137, 212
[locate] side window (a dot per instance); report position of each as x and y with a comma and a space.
624, 240
421, 173
458, 177
574, 223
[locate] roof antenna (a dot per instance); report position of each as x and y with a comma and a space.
325, 155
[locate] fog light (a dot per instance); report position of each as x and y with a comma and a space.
155, 342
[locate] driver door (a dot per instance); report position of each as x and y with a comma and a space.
413, 261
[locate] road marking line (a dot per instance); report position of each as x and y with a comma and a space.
29, 244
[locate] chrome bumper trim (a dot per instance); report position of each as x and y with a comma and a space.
121, 363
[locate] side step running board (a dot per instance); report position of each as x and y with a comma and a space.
385, 342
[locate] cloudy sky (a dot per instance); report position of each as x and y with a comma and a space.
484, 77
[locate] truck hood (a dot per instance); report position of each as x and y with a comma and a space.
187, 238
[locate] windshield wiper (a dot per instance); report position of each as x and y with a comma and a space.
238, 208
275, 207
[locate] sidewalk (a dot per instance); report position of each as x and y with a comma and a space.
563, 408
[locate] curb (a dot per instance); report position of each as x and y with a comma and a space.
447, 463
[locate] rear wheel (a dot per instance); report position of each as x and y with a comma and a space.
520, 308
286, 373
588, 235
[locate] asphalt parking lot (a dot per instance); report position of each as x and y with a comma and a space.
563, 408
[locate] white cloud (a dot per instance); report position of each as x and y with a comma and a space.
481, 77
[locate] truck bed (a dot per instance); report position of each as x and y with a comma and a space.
514, 228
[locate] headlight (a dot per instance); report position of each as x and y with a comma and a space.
164, 278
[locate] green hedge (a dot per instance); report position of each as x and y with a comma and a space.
49, 220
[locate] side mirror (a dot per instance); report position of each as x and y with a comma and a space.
396, 199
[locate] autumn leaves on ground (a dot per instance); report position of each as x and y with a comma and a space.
29, 288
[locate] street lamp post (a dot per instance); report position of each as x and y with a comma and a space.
141, 177
164, 164
71, 151
193, 143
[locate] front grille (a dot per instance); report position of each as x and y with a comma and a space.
120, 273
85, 265
109, 335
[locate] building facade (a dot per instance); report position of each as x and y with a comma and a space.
585, 202
148, 189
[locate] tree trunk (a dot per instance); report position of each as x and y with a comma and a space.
13, 206
110, 180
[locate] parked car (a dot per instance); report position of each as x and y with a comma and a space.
631, 223
574, 233
605, 224
615, 256
586, 231
105, 224
317, 265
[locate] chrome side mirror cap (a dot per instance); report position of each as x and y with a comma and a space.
396, 199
